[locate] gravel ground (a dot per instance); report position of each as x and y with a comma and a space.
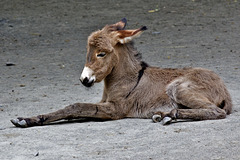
42, 53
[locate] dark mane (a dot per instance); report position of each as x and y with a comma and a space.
137, 55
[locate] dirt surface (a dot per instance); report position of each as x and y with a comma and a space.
42, 53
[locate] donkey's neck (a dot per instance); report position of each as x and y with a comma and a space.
128, 66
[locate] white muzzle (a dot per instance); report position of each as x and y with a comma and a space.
87, 78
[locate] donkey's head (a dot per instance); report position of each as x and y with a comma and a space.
101, 51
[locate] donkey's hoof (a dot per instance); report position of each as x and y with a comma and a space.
166, 120
19, 123
156, 118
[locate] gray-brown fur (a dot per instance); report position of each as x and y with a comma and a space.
164, 94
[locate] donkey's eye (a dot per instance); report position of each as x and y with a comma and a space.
102, 54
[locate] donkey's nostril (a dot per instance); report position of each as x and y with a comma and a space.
86, 82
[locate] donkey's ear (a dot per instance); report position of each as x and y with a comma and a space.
119, 25
125, 36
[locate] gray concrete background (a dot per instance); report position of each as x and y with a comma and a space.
46, 41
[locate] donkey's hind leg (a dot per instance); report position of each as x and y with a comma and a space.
208, 112
197, 105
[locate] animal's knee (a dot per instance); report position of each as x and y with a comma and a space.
176, 89
171, 90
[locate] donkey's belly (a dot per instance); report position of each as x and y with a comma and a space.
148, 111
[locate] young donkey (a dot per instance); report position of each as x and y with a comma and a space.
132, 89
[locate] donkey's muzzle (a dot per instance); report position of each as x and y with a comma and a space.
86, 82
87, 78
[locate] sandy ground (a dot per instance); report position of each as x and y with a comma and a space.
44, 44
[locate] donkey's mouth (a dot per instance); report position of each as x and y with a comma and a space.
87, 83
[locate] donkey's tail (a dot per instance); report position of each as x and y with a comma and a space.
226, 105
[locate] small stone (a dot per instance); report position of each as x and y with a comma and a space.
10, 64
22, 85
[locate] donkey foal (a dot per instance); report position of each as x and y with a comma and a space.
132, 89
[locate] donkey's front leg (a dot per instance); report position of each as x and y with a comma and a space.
77, 110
